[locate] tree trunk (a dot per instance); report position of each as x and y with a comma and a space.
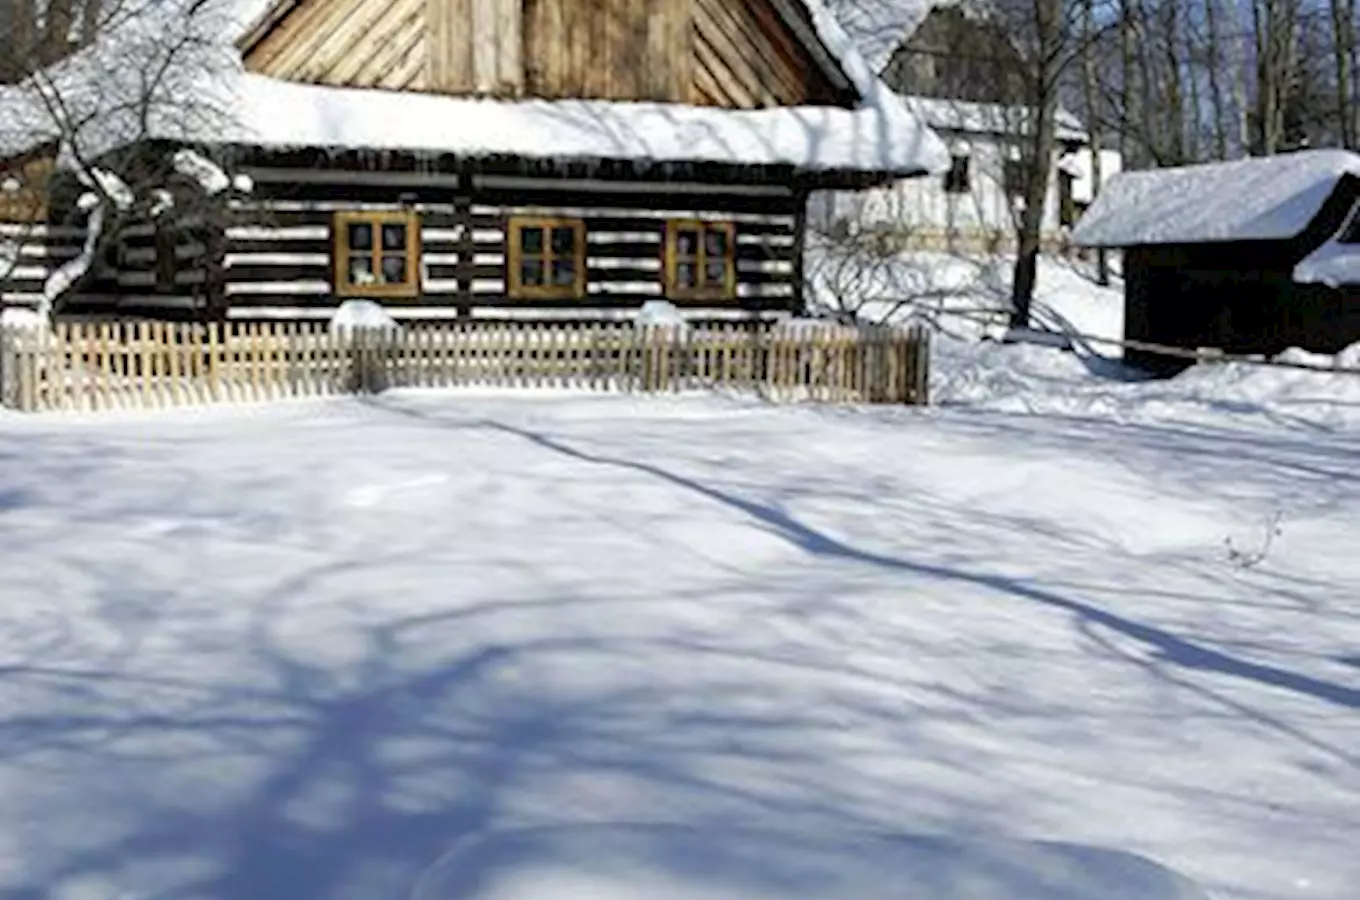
1091, 90
1192, 125
1172, 104
1040, 141
1351, 45
91, 19
1214, 61
60, 18
1126, 93
1244, 125
16, 39
1275, 23
1147, 105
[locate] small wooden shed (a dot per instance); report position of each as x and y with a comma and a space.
1252, 256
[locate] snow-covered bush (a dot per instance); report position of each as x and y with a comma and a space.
140, 74
661, 313
359, 315
21, 319
368, 321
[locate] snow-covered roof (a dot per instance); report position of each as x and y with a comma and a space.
1269, 198
989, 118
878, 27
1081, 166
1332, 264
1337, 261
280, 113
879, 135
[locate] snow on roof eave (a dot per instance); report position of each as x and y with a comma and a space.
879, 28
1335, 263
844, 177
879, 139
1256, 199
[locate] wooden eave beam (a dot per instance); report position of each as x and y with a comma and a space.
809, 38
271, 17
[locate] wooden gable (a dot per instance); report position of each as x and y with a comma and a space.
357, 43
708, 52
609, 49
747, 57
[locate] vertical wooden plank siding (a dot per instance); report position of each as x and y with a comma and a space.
450, 64
609, 49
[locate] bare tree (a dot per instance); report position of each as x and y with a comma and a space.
1214, 60
1090, 93
857, 272
99, 121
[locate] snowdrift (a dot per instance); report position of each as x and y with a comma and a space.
652, 862
1030, 379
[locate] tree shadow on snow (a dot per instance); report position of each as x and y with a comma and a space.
352, 782
1170, 648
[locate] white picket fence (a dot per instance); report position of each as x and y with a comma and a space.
136, 365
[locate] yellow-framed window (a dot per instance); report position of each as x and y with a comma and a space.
377, 253
701, 260
547, 259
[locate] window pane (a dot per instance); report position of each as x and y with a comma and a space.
394, 237
684, 275
531, 272
563, 240
687, 243
360, 236
956, 180
564, 272
361, 270
717, 272
715, 243
394, 268
531, 241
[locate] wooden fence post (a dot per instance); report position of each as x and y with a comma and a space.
7, 362
922, 367
28, 370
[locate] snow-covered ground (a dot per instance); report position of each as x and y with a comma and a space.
1054, 639
967, 295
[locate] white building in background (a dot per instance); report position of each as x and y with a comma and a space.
976, 204
959, 69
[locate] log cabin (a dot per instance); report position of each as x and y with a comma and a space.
509, 158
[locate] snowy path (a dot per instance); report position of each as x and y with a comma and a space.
298, 652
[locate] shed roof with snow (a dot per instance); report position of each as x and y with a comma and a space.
1260, 199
